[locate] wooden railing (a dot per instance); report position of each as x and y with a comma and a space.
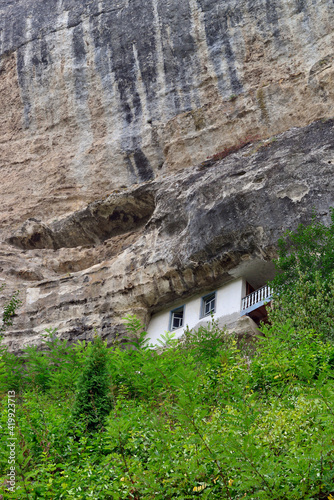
253, 298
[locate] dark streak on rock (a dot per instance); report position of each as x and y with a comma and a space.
301, 5
79, 67
143, 167
218, 18
272, 17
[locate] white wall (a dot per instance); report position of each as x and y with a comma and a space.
228, 303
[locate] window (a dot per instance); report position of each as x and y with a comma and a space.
176, 318
208, 304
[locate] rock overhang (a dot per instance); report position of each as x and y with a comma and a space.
205, 228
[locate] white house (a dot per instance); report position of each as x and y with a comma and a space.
246, 294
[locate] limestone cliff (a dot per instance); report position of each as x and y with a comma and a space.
108, 111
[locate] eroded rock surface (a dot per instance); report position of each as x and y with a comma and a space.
98, 94
195, 229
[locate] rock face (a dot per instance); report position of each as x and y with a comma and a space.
95, 95
105, 109
206, 223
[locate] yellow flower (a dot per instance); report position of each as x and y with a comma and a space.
200, 488
230, 482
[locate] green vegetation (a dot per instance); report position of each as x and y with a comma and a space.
305, 283
9, 310
194, 419
307, 252
92, 399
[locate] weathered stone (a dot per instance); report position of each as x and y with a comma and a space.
95, 95
207, 223
245, 330
99, 221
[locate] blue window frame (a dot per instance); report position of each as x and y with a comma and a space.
176, 318
208, 304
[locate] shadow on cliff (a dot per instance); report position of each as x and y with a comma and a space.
116, 215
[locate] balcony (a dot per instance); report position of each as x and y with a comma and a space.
256, 301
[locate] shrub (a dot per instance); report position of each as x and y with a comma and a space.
306, 252
92, 399
304, 285
9, 311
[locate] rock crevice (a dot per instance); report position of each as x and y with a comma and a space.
99, 221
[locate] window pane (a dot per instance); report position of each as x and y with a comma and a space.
177, 318
209, 304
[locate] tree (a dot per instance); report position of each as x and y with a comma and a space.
92, 400
308, 251
304, 285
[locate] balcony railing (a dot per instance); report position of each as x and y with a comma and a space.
256, 298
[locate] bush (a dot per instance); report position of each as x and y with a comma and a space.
306, 252
304, 285
9, 311
92, 399
54, 368
194, 420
